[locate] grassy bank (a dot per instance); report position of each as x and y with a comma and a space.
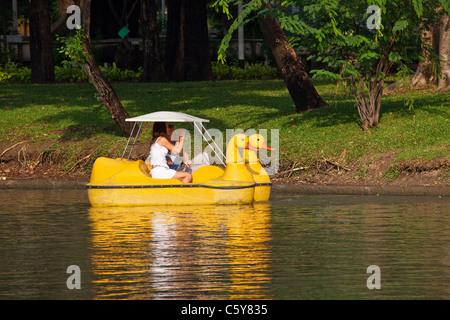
63, 128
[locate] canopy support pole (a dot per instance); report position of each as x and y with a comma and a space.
134, 142
210, 139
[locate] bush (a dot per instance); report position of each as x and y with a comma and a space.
116, 74
256, 71
13, 73
71, 73
67, 73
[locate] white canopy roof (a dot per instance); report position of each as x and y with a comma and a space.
166, 116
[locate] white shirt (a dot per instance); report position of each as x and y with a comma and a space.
158, 155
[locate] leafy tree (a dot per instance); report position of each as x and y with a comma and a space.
78, 49
300, 87
434, 65
360, 41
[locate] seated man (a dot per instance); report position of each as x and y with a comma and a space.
200, 160
175, 158
190, 166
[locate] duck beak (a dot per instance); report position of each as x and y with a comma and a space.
250, 147
265, 147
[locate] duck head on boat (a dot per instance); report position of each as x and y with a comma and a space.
253, 164
125, 182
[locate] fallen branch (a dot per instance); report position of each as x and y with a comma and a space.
293, 169
40, 159
12, 147
289, 172
336, 164
81, 160
22, 152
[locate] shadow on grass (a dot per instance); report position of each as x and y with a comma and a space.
228, 104
434, 103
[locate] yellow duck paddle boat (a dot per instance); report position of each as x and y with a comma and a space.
123, 182
261, 177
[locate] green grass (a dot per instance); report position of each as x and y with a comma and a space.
53, 114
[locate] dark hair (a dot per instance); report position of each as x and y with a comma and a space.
159, 130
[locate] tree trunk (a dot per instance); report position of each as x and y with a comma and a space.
300, 87
106, 93
174, 52
4, 17
153, 66
424, 74
59, 26
187, 45
444, 52
369, 104
42, 66
125, 57
438, 39
196, 54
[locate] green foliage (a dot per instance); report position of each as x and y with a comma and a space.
68, 73
13, 73
247, 9
325, 75
392, 172
225, 7
116, 74
72, 47
335, 32
341, 34
256, 71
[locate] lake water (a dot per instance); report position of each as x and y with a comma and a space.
305, 247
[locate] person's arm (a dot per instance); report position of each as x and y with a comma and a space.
180, 139
172, 148
180, 134
186, 159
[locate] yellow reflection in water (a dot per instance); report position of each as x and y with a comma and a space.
182, 252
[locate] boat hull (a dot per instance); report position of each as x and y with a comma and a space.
263, 184
146, 195
116, 182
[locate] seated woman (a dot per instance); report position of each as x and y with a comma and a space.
174, 159
159, 149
